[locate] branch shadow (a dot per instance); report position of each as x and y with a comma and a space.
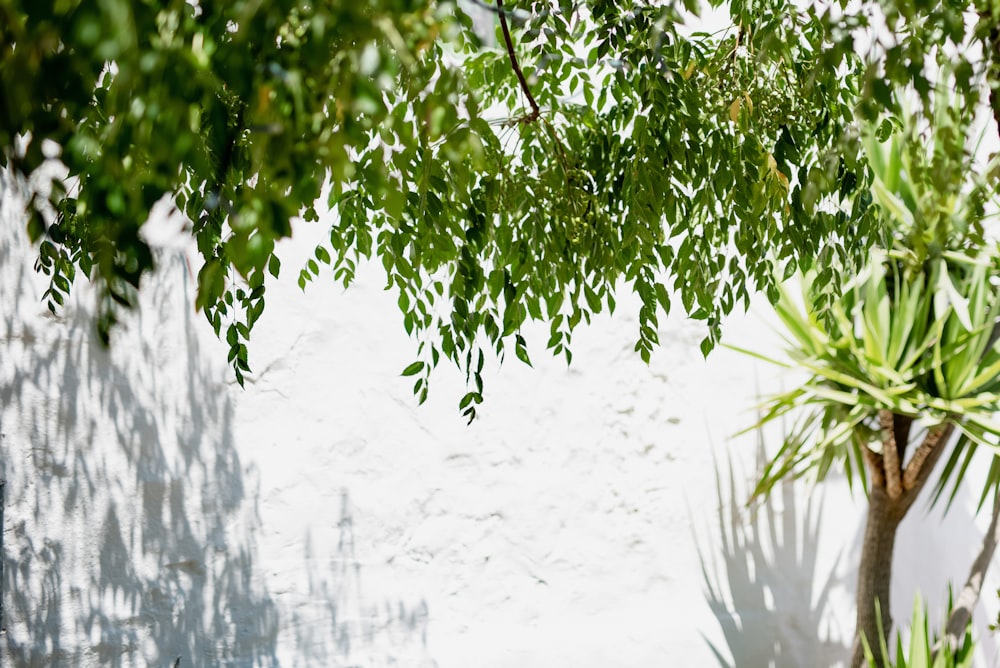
765, 599
129, 516
131, 533
336, 623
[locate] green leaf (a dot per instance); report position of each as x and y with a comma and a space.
435, 162
520, 349
413, 369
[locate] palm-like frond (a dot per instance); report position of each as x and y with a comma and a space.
923, 652
914, 334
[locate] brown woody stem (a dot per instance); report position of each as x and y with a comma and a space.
874, 575
513, 62
884, 516
890, 455
875, 466
931, 440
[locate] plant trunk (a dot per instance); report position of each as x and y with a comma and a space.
887, 506
875, 574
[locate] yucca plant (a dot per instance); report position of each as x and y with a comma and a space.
900, 346
908, 355
924, 650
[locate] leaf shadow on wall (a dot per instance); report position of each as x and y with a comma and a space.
767, 603
336, 621
130, 519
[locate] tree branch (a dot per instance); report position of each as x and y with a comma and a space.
923, 471
901, 427
960, 615
875, 466
890, 455
513, 62
919, 457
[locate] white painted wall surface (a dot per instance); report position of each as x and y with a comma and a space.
156, 514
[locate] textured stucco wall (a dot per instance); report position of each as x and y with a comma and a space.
155, 512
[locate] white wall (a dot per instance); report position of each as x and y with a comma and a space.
155, 512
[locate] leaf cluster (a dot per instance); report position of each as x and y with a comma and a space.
922, 651
685, 166
913, 334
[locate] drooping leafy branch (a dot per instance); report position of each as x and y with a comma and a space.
685, 165
514, 64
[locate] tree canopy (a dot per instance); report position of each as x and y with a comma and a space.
529, 174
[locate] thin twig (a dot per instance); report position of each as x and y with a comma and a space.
890, 455
517, 68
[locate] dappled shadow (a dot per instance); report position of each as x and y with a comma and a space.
129, 519
335, 621
766, 599
131, 529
